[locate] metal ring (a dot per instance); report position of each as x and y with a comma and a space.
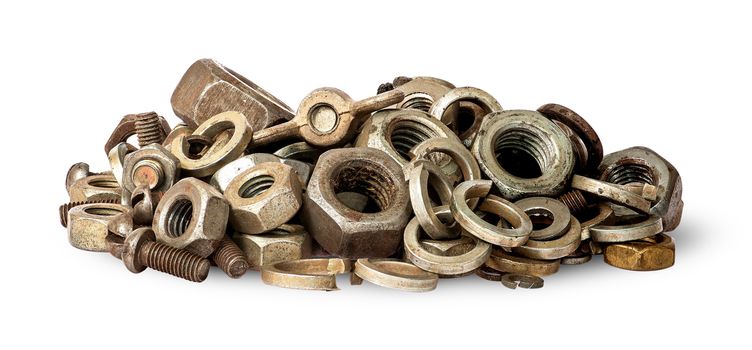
440, 264
505, 262
489, 274
396, 274
651, 226
579, 127
513, 280
611, 192
422, 207
310, 274
605, 212
474, 225
459, 154
553, 249
483, 99
557, 209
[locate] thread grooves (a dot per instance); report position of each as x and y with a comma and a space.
149, 129
180, 217
631, 172
173, 261
574, 200
422, 103
230, 258
256, 186
365, 178
406, 134
65, 208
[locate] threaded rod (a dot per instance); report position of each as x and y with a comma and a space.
574, 200
149, 129
230, 258
173, 261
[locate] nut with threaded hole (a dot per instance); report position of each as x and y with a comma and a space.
230, 258
141, 250
149, 129
65, 208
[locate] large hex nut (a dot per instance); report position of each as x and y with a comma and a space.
152, 165
227, 173
87, 225
263, 197
95, 188
284, 243
524, 154
208, 88
643, 165
346, 232
193, 216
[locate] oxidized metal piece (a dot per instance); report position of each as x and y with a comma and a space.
193, 216
647, 254
300, 151
421, 92
553, 248
536, 207
140, 250
489, 274
482, 99
585, 141
611, 192
65, 208
505, 262
419, 180
326, 117
649, 226
512, 281
395, 274
87, 225
643, 165
115, 245
344, 231
284, 243
577, 258
263, 197
143, 203
208, 88
230, 258
524, 154
604, 215
505, 237
311, 274
152, 166
95, 188
220, 153
127, 128
117, 159
227, 173
459, 155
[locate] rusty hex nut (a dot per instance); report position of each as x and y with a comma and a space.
95, 188
193, 216
643, 165
648, 254
227, 173
88, 223
284, 243
208, 88
346, 232
153, 166
263, 197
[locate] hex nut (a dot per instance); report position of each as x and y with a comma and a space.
208, 88
87, 225
193, 216
284, 243
155, 160
648, 254
343, 231
643, 165
541, 155
422, 92
95, 188
227, 173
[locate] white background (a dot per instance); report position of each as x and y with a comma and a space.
674, 77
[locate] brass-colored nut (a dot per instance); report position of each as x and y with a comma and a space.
263, 197
648, 254
284, 243
87, 225
95, 188
643, 165
193, 216
153, 166
208, 88
346, 232
524, 154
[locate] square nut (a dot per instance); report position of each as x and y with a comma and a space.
285, 243
87, 225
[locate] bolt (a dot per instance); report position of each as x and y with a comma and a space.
149, 129
574, 200
230, 258
141, 250
147, 173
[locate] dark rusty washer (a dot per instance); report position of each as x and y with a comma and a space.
375, 232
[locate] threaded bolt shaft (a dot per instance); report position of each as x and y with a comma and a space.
574, 200
173, 261
65, 208
230, 258
149, 129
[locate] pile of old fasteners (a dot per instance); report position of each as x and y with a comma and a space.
422, 181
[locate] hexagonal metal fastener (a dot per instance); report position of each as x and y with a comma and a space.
285, 243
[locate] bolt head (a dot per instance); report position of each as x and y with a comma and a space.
132, 246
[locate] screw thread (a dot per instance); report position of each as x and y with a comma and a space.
149, 129
230, 258
65, 208
173, 261
574, 200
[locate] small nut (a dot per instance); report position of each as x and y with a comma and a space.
648, 254
193, 216
346, 232
227, 173
152, 166
95, 188
87, 225
285, 243
263, 197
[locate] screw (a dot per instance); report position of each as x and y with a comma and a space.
149, 129
230, 258
141, 250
